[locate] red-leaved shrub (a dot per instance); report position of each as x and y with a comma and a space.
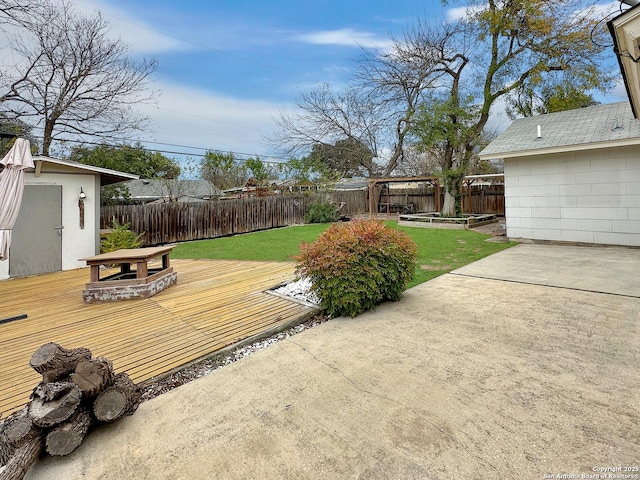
354, 266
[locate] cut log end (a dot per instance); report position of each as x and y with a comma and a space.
122, 398
53, 361
18, 428
110, 405
65, 438
93, 376
63, 443
47, 413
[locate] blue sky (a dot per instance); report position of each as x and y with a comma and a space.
227, 67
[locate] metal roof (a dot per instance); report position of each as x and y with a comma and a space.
586, 128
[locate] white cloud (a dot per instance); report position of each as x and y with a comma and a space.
456, 13
201, 118
141, 37
344, 37
460, 13
618, 94
498, 120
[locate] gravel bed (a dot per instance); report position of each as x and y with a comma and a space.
300, 290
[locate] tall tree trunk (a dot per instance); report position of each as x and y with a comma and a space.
449, 205
452, 179
452, 205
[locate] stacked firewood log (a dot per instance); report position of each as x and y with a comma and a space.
76, 392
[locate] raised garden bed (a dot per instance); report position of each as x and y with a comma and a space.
436, 220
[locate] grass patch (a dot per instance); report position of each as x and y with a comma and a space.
443, 250
439, 250
277, 245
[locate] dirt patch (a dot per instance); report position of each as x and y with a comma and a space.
435, 268
494, 229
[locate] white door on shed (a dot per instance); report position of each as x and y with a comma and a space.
37, 236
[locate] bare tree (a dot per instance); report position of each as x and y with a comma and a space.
457, 71
72, 79
16, 11
324, 117
396, 81
376, 110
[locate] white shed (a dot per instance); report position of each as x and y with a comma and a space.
55, 227
572, 176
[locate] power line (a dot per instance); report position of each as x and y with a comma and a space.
172, 152
210, 149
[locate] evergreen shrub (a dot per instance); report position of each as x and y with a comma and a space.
120, 237
356, 265
321, 212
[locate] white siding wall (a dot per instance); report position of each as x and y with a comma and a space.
591, 197
76, 242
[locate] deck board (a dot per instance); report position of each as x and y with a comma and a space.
215, 303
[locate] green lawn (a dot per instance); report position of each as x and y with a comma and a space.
439, 251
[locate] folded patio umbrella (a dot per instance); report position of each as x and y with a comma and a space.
11, 188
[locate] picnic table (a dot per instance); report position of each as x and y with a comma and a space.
143, 282
125, 257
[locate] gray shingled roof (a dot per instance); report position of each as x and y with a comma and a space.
583, 128
153, 189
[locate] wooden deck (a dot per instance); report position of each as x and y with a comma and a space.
215, 303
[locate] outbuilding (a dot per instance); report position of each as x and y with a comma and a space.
59, 219
572, 176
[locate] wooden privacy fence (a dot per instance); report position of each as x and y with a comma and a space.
483, 199
178, 222
475, 199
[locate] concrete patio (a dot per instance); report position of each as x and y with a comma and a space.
522, 365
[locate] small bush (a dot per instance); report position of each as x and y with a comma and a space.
321, 212
357, 265
120, 237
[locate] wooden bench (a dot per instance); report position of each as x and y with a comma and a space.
396, 208
144, 282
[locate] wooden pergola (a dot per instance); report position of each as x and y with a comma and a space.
434, 181
386, 180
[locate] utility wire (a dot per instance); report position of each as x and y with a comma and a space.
278, 160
